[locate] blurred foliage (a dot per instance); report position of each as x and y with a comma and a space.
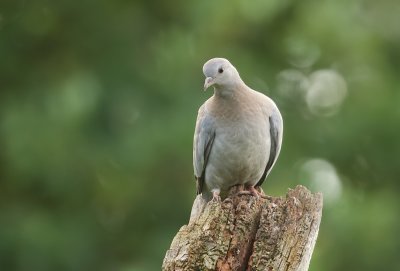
97, 109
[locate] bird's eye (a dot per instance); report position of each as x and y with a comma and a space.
220, 70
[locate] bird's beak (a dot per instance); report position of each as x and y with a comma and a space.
208, 83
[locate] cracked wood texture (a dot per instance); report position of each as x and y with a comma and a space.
247, 233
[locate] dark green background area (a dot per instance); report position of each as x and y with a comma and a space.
98, 101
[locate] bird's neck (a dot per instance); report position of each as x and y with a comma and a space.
229, 91
224, 93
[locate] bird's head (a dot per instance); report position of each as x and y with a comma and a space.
220, 73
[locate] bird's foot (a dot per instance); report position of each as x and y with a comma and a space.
252, 191
216, 196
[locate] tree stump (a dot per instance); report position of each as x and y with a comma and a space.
247, 233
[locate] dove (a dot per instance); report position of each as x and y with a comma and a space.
238, 134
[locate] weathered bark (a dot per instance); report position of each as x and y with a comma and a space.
246, 233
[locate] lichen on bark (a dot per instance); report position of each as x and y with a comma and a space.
247, 233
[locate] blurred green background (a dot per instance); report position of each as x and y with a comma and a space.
98, 101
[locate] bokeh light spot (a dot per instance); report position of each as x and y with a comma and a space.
292, 81
322, 177
302, 53
326, 92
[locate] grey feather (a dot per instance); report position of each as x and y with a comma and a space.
203, 141
275, 130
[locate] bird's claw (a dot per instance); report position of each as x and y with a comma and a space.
216, 197
253, 192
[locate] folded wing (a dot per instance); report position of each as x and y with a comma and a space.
202, 144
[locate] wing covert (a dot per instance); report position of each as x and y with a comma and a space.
276, 131
202, 144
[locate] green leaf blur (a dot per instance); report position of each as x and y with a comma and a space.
98, 101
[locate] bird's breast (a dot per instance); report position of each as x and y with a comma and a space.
240, 152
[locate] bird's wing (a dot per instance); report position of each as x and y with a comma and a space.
203, 140
276, 132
